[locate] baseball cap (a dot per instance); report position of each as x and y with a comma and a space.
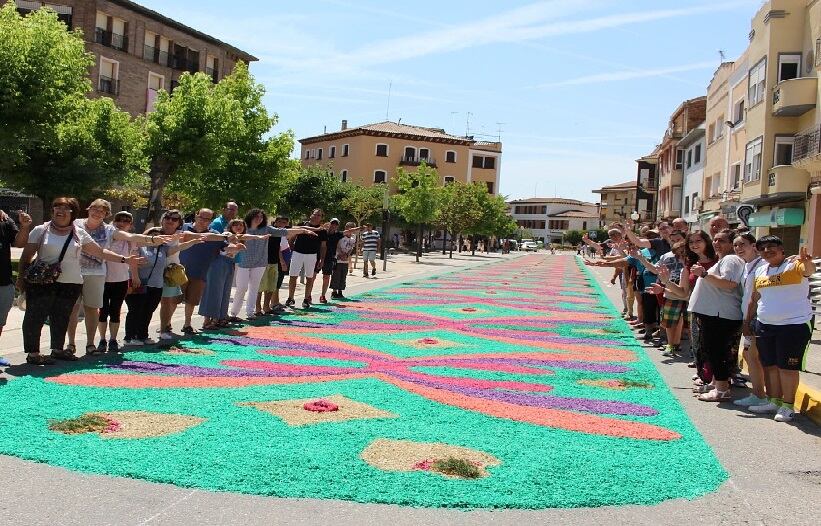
335, 220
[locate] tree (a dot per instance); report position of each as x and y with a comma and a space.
459, 209
495, 218
313, 187
417, 198
64, 144
364, 202
573, 237
250, 167
44, 75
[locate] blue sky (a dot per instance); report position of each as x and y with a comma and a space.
581, 87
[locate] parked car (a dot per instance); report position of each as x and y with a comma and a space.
528, 245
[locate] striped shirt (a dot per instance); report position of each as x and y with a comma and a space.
370, 240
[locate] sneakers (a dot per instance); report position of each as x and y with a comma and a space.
671, 351
306, 304
373, 272
749, 400
323, 299
290, 302
761, 409
784, 414
134, 342
113, 346
188, 330
149, 341
102, 346
365, 275
166, 335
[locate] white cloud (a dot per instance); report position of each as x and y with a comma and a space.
629, 74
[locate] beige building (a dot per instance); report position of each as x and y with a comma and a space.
618, 201
371, 154
137, 51
550, 218
781, 160
689, 115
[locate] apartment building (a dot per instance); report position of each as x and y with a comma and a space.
647, 186
684, 119
782, 166
370, 154
550, 218
137, 51
726, 142
618, 201
692, 174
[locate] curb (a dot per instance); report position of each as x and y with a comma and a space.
808, 402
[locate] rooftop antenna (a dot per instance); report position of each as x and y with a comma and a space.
388, 109
721, 54
467, 124
499, 132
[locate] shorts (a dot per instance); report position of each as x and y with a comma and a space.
671, 312
268, 283
192, 291
92, 295
6, 301
369, 255
328, 266
171, 292
782, 345
300, 261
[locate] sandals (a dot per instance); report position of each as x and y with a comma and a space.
39, 359
65, 355
91, 350
716, 396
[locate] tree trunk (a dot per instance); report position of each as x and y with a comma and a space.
444, 240
419, 243
451, 245
159, 176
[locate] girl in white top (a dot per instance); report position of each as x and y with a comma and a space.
54, 301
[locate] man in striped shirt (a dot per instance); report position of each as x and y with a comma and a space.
370, 246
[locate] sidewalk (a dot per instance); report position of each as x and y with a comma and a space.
399, 267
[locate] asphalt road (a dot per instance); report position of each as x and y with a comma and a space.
775, 478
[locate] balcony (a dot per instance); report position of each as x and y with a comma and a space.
807, 149
109, 39
649, 184
795, 96
183, 64
415, 160
108, 85
784, 180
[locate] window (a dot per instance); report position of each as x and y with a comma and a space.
752, 161
343, 175
771, 179
318, 154
450, 156
490, 163
543, 210
584, 225
697, 154
708, 183
109, 75
111, 32
711, 133
716, 182
694, 202
735, 172
679, 158
450, 179
345, 150
380, 176
155, 84
331, 152
517, 210
381, 150
477, 161
149, 46
489, 186
424, 154
719, 127
212, 67
789, 66
783, 151
307, 154
410, 153
687, 204
738, 112
689, 158
756, 81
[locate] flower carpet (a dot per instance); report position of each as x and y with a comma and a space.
511, 385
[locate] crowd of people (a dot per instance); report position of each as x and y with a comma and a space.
724, 291
72, 266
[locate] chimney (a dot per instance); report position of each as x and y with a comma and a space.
344, 125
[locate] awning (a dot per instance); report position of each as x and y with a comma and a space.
777, 217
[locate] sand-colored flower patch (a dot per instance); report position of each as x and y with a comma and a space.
126, 424
184, 351
406, 455
293, 412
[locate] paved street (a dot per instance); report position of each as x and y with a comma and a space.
774, 469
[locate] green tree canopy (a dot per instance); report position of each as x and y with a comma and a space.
459, 209
418, 198
313, 187
495, 219
364, 202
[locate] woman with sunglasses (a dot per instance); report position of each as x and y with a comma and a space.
116, 286
94, 270
781, 306
57, 244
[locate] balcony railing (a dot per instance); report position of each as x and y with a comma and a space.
807, 144
108, 85
109, 39
183, 64
149, 53
649, 184
415, 160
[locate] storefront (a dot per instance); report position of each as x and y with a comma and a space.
784, 222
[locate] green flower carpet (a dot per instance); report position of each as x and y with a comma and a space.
511, 385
